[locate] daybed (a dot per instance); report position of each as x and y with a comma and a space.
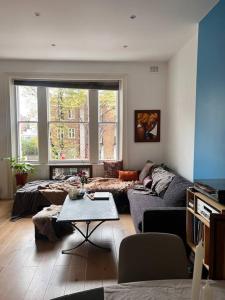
35, 195
29, 200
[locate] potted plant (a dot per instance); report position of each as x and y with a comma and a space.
21, 169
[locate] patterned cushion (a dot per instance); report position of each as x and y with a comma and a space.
128, 175
145, 171
147, 182
111, 168
161, 179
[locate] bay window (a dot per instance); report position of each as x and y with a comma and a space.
56, 121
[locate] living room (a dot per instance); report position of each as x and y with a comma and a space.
157, 57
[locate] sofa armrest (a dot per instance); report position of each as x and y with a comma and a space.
166, 219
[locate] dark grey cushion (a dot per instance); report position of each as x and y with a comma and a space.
175, 194
140, 203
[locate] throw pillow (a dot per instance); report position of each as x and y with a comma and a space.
111, 168
175, 195
128, 175
146, 170
161, 179
147, 182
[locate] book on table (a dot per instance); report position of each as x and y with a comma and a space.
101, 196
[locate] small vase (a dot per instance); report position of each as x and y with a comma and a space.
73, 193
82, 189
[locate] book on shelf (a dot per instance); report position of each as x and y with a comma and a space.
197, 233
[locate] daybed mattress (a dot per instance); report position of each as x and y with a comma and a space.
35, 195
29, 200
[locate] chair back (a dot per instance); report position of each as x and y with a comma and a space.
152, 256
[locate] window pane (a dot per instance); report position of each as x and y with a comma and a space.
28, 141
68, 105
107, 106
27, 103
69, 141
107, 142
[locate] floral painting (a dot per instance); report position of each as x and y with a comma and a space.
147, 125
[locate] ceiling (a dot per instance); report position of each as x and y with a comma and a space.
97, 30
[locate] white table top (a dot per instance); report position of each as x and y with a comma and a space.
85, 209
179, 289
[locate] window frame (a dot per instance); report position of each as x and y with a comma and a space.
70, 114
43, 142
18, 122
55, 161
71, 133
60, 133
116, 123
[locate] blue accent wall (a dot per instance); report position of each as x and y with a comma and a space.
209, 159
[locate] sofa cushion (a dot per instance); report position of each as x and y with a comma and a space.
146, 170
139, 203
147, 182
161, 179
128, 175
175, 194
111, 168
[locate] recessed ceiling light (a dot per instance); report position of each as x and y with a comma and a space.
125, 46
37, 14
53, 45
133, 17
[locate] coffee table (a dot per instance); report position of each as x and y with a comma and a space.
87, 210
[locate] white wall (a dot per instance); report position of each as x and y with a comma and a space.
180, 124
145, 90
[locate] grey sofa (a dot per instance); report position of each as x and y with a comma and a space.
163, 213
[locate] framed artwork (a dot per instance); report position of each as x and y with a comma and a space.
147, 125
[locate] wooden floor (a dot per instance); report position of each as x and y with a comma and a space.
37, 270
